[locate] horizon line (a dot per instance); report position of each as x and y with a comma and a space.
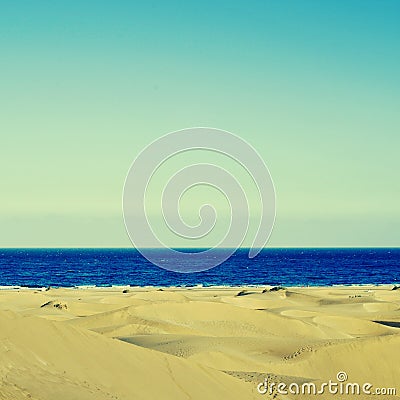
238, 248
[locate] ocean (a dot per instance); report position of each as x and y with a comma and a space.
284, 266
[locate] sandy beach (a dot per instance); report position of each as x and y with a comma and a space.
196, 343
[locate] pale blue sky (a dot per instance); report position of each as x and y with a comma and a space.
312, 85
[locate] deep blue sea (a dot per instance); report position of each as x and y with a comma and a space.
105, 267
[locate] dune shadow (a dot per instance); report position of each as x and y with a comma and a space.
392, 324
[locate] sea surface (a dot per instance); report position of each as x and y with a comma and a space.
285, 266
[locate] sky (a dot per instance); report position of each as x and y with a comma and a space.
313, 86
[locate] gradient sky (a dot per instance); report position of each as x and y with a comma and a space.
314, 86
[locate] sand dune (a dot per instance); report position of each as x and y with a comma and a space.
52, 361
197, 343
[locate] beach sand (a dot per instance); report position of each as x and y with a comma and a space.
196, 343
